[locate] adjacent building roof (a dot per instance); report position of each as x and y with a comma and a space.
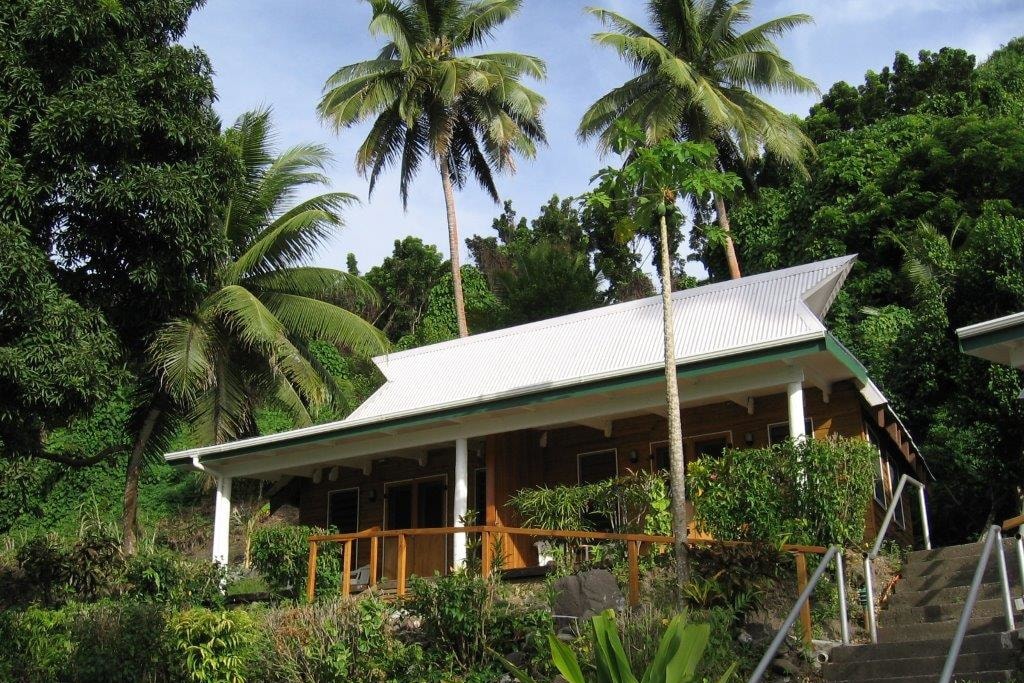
747, 315
1000, 340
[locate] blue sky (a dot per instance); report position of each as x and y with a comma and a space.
280, 52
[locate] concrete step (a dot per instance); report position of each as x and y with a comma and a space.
968, 549
986, 642
955, 565
898, 615
1000, 676
919, 666
955, 595
938, 630
960, 577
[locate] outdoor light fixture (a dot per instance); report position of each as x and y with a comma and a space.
633, 456
748, 438
372, 497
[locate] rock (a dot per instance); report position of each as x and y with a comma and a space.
785, 666
518, 659
586, 594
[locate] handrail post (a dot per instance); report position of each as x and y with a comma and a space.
485, 553
1020, 557
374, 549
972, 598
780, 636
924, 517
841, 579
346, 570
311, 573
633, 550
805, 611
1005, 577
400, 588
869, 588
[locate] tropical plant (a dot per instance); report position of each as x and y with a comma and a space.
246, 343
696, 74
468, 114
645, 191
676, 660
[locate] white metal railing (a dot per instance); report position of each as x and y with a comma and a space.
833, 553
994, 538
869, 576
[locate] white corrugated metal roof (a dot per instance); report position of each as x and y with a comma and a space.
724, 318
748, 314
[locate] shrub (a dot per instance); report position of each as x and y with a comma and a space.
163, 576
118, 642
464, 618
734, 577
339, 640
37, 645
814, 492
281, 555
213, 646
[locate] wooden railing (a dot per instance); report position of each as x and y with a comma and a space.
488, 534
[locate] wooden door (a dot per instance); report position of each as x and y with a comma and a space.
419, 504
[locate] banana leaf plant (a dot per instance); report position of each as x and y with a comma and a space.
679, 653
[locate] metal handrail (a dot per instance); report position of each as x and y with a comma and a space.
995, 536
833, 553
869, 576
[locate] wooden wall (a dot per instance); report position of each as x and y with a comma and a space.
515, 460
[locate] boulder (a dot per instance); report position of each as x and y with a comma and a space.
585, 594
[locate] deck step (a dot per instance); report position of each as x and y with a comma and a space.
986, 642
919, 666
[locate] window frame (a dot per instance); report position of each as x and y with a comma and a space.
808, 429
579, 463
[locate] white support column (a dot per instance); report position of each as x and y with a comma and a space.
222, 520
460, 499
795, 396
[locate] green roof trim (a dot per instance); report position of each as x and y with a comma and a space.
735, 361
843, 354
979, 341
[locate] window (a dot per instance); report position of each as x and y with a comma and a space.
598, 466
480, 495
343, 510
894, 482
711, 446
779, 431
659, 456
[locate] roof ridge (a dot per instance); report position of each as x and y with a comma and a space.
602, 311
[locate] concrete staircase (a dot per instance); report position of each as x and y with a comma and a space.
916, 629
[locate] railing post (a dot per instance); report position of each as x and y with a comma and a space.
374, 549
401, 564
1020, 558
311, 573
869, 588
346, 570
805, 611
633, 550
1005, 577
924, 518
485, 553
841, 579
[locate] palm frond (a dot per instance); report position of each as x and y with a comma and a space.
481, 17
182, 354
325, 284
309, 319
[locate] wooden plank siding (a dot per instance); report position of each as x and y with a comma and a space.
515, 460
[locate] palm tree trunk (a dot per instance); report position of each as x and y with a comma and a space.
453, 246
730, 246
677, 463
129, 517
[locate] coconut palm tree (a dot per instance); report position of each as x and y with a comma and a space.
245, 344
429, 99
696, 74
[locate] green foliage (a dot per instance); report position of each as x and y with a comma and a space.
404, 281
109, 154
439, 322
56, 356
735, 578
814, 492
212, 644
354, 640
464, 618
676, 659
281, 555
165, 577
